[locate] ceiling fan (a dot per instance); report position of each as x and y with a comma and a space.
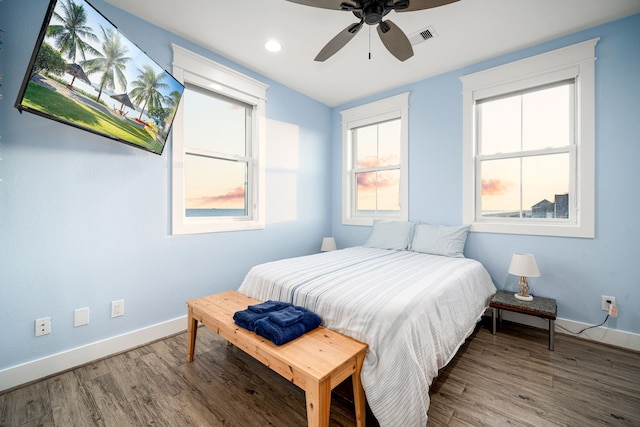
372, 12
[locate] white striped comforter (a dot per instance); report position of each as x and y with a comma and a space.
413, 310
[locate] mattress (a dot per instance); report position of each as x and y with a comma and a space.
414, 311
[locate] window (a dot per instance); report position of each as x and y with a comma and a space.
525, 153
375, 146
217, 173
529, 145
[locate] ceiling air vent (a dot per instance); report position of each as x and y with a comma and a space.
423, 35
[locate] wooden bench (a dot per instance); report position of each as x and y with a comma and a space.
316, 362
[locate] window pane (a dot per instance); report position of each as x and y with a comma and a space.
377, 145
214, 123
500, 192
545, 193
366, 146
215, 187
529, 121
378, 193
389, 143
531, 187
546, 118
499, 126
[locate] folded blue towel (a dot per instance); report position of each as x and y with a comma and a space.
268, 306
278, 334
286, 316
310, 320
247, 318
283, 334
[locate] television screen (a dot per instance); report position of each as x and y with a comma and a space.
83, 72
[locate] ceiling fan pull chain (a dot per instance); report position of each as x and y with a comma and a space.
369, 42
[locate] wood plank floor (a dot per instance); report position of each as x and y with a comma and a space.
507, 379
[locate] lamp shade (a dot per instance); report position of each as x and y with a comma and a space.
328, 244
524, 265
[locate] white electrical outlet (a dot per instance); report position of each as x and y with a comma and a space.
607, 301
117, 308
81, 316
43, 326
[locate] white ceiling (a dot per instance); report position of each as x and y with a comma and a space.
467, 32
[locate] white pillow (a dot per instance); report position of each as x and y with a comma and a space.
440, 239
395, 235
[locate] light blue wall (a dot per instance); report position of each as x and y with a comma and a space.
574, 271
85, 220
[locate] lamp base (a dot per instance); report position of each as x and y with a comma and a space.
521, 298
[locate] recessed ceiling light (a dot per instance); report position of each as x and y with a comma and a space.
272, 46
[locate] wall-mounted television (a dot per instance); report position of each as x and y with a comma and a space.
83, 72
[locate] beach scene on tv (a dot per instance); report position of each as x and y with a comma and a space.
89, 75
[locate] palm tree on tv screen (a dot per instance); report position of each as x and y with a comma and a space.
70, 34
112, 62
146, 89
172, 100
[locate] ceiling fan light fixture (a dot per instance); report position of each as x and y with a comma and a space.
372, 12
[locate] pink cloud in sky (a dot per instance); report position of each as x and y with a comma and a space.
232, 197
495, 187
367, 181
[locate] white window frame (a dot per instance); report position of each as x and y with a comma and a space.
576, 62
189, 67
395, 107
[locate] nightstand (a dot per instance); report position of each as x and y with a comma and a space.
540, 307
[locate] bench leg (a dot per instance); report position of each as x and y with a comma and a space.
552, 326
318, 403
358, 393
493, 320
192, 329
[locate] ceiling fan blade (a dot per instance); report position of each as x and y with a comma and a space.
328, 4
338, 42
395, 40
423, 4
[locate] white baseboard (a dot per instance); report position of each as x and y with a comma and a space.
24, 373
601, 334
59, 362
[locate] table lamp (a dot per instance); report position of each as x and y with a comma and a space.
328, 244
523, 265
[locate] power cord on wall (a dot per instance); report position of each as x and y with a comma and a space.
588, 327
613, 311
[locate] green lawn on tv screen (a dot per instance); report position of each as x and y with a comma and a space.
54, 104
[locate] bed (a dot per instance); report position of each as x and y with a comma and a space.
413, 309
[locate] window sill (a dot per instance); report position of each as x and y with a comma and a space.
536, 229
207, 226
